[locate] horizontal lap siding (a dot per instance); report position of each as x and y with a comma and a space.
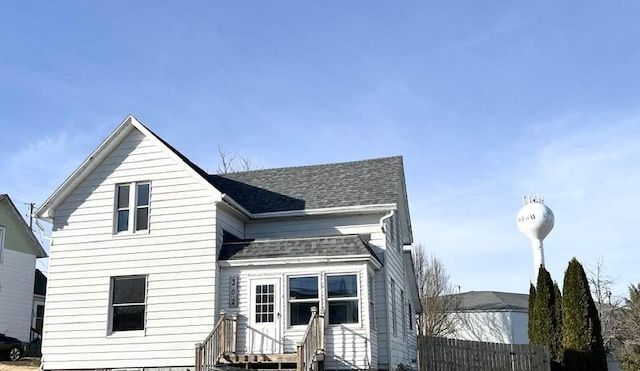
177, 255
401, 346
347, 345
16, 293
313, 226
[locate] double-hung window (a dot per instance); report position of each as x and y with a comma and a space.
402, 313
128, 303
393, 306
303, 294
2, 233
342, 298
132, 207
372, 312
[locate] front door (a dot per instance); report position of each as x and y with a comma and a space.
265, 334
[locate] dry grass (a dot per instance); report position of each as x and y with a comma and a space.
25, 364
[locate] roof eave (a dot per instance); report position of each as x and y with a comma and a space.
413, 283
47, 210
327, 211
296, 260
36, 247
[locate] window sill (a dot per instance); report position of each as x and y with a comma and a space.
126, 334
131, 234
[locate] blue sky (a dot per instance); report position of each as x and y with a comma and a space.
487, 101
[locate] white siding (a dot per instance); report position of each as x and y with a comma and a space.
16, 293
494, 327
519, 327
313, 226
177, 254
398, 347
347, 345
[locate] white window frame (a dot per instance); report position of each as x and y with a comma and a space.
372, 302
3, 233
112, 305
132, 208
393, 308
356, 298
311, 300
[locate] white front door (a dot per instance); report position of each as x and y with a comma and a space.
265, 328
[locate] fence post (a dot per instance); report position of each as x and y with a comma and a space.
198, 357
299, 357
234, 318
223, 332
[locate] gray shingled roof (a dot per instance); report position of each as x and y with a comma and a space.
332, 246
492, 300
368, 182
357, 183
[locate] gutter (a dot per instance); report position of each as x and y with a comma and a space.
326, 211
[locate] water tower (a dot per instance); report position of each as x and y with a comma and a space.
535, 220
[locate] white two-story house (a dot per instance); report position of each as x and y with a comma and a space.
156, 264
19, 250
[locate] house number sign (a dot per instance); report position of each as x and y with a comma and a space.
233, 292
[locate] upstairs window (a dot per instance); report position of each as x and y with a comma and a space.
303, 294
2, 232
342, 299
128, 303
132, 217
404, 318
393, 307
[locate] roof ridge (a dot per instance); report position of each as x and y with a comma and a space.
309, 166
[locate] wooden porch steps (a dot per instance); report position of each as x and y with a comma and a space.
286, 361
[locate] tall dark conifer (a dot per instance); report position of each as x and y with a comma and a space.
532, 315
581, 331
544, 324
558, 331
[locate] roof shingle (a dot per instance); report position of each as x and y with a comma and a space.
332, 246
358, 183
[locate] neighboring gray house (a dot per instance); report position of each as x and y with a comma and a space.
492, 316
148, 250
18, 252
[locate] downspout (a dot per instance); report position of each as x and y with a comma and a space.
382, 220
386, 289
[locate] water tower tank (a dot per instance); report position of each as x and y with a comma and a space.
535, 220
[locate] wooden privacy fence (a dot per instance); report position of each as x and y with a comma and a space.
442, 354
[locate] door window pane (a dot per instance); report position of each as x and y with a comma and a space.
265, 303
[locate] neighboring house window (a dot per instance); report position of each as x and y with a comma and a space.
132, 217
372, 312
393, 306
265, 300
402, 312
39, 318
128, 303
342, 299
2, 233
303, 294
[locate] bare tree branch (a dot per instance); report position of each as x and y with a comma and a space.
232, 162
439, 317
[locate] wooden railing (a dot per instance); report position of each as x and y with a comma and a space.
310, 351
220, 342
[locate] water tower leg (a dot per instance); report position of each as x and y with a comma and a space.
538, 258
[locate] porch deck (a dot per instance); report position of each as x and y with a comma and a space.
219, 350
